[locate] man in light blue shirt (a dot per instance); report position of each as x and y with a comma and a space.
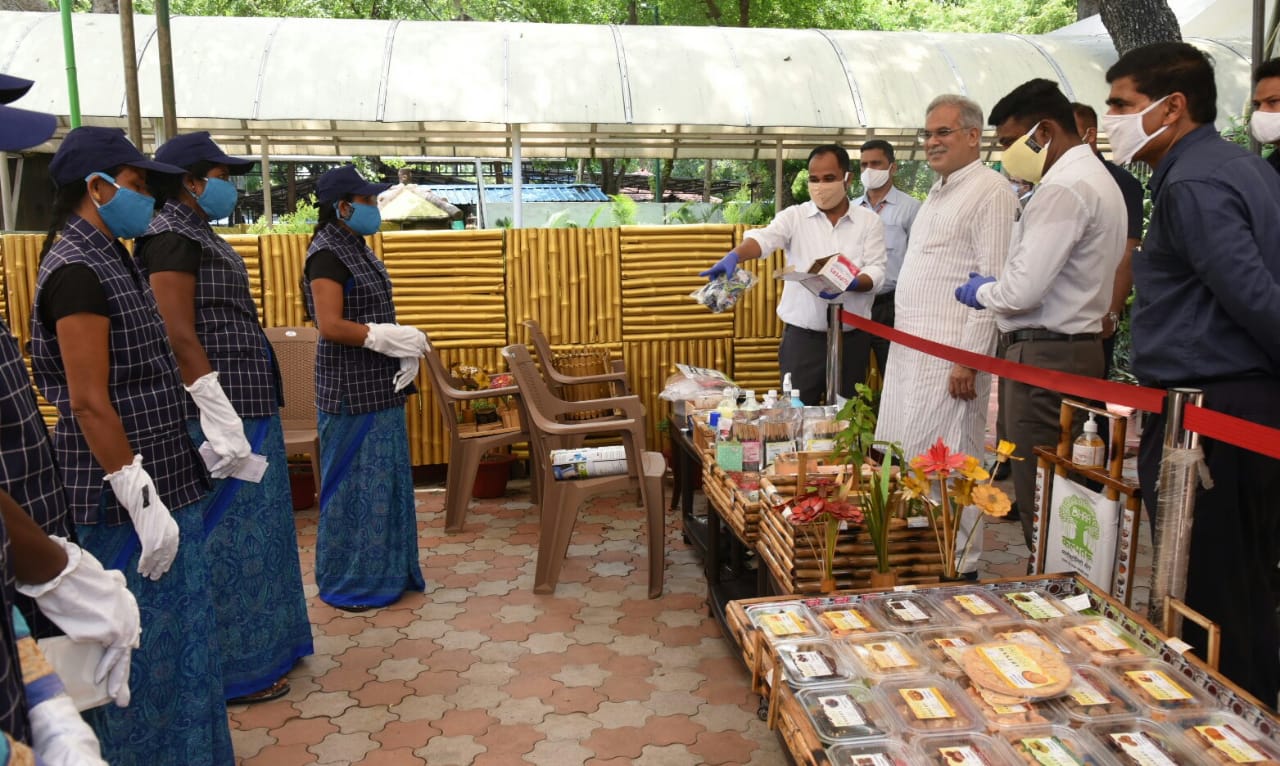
897, 211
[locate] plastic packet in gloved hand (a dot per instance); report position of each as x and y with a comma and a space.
721, 294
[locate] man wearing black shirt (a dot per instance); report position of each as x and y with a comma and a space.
1264, 123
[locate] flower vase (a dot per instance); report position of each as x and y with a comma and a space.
828, 585
884, 580
944, 579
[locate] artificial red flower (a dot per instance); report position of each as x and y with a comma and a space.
939, 460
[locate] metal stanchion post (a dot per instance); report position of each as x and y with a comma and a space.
835, 347
1175, 510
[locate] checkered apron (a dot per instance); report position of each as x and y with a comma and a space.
352, 380
144, 385
226, 318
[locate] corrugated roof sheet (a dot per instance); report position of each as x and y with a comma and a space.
465, 194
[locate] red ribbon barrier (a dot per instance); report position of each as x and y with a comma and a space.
1233, 430
1080, 386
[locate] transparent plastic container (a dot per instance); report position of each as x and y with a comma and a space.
881, 752
887, 655
1040, 745
813, 662
1159, 688
847, 619
1004, 713
928, 705
845, 713
1037, 634
964, 749
908, 611
1097, 640
1218, 737
1141, 742
1036, 604
785, 622
1094, 697
943, 645
975, 606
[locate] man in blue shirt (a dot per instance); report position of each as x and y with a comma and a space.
1264, 122
897, 211
1206, 316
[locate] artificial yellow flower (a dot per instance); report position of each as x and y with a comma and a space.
991, 500
1004, 451
973, 470
914, 484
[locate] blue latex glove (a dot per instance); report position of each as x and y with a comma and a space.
826, 296
968, 292
725, 267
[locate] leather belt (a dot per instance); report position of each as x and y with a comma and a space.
1021, 336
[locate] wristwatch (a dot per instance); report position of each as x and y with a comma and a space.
1114, 318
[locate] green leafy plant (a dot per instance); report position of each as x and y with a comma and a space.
301, 221
854, 444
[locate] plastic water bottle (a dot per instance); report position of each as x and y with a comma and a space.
770, 400
795, 399
750, 404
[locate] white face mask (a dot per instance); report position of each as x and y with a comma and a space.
1265, 126
874, 179
828, 195
1127, 134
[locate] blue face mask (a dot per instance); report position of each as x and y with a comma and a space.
218, 198
364, 219
128, 213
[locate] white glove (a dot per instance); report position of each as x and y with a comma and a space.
151, 518
90, 603
396, 340
221, 425
60, 737
408, 373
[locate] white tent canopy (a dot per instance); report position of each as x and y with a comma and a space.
321, 87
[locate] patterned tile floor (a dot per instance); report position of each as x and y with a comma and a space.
480, 670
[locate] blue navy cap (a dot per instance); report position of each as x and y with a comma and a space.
92, 149
19, 128
191, 148
335, 184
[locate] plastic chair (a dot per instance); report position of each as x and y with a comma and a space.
295, 350
465, 449
561, 500
617, 379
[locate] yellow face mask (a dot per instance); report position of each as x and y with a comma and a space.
1025, 157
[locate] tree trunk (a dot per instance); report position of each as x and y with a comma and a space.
707, 172
106, 6
744, 13
26, 5
1135, 23
633, 15
1087, 8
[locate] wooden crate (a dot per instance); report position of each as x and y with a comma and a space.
913, 554
743, 513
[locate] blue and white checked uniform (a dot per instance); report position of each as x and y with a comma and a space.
355, 380
13, 699
27, 470
226, 318
144, 385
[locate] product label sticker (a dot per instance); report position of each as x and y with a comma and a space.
812, 664
1101, 636
1000, 708
927, 703
951, 647
889, 655
842, 711
729, 456
784, 624
1049, 751
1026, 637
906, 610
751, 451
1141, 749
1078, 602
820, 445
1228, 741
1158, 685
847, 619
974, 604
1016, 667
871, 759
773, 449
1086, 694
961, 755
1034, 605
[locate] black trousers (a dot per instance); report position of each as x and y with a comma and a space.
803, 353
1235, 537
882, 311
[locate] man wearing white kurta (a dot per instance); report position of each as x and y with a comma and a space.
825, 225
1050, 300
963, 227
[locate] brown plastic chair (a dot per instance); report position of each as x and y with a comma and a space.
617, 379
560, 500
295, 350
465, 449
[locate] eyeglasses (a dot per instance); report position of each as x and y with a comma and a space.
925, 135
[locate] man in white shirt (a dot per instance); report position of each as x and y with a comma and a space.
962, 227
1056, 286
825, 225
897, 211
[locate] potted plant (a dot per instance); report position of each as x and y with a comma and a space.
856, 445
